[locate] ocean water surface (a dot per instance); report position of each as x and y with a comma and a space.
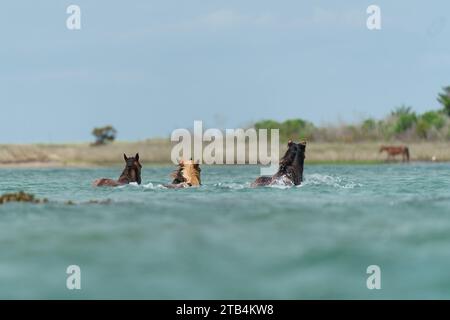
226, 240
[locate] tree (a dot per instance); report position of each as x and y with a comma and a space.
444, 99
402, 110
290, 129
104, 135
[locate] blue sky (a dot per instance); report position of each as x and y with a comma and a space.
148, 67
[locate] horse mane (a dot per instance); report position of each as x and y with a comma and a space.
125, 176
177, 175
286, 160
188, 172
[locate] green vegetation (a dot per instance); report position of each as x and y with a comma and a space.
402, 124
289, 129
104, 135
20, 197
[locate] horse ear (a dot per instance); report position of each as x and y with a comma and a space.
125, 157
137, 156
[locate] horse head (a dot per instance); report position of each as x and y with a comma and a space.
132, 170
187, 172
294, 153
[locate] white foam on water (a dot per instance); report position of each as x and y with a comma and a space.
279, 186
314, 179
334, 181
148, 186
233, 186
152, 186
281, 183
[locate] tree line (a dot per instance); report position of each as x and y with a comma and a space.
403, 123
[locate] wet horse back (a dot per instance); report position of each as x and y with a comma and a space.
106, 182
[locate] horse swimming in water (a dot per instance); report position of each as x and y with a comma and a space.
186, 175
290, 171
131, 173
392, 151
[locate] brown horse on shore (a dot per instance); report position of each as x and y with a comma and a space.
392, 151
131, 173
186, 175
290, 171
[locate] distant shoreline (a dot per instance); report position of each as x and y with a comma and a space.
157, 152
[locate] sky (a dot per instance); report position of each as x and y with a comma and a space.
149, 67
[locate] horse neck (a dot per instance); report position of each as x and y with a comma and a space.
191, 176
297, 166
177, 176
282, 168
300, 160
127, 177
295, 169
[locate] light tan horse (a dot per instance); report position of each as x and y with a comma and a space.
186, 175
393, 151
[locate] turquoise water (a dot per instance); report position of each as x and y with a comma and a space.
226, 240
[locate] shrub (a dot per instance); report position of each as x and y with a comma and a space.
404, 117
434, 119
368, 125
429, 121
405, 122
422, 128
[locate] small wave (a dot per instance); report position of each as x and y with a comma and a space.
233, 186
154, 186
148, 186
311, 180
281, 183
279, 186
131, 184
337, 182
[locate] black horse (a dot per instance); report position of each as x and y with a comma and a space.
131, 173
290, 171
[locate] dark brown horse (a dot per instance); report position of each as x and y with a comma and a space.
290, 171
131, 173
392, 151
186, 175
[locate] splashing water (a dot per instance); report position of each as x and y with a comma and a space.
334, 181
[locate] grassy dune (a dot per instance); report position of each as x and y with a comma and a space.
83, 154
157, 151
